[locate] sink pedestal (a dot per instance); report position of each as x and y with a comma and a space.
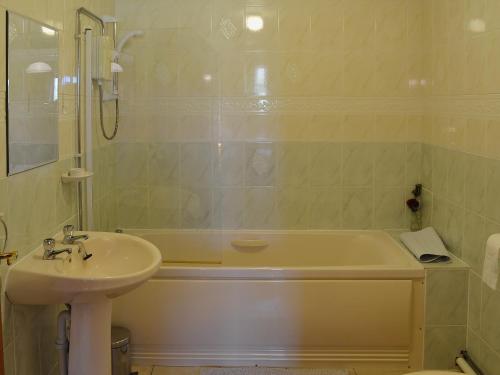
90, 337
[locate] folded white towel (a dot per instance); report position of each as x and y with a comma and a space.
426, 245
490, 265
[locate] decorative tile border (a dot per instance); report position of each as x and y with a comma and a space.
488, 105
276, 104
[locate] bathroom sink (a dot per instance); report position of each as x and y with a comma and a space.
119, 263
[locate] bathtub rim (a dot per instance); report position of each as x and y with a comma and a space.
208, 271
288, 273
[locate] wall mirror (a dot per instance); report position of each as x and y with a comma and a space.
32, 93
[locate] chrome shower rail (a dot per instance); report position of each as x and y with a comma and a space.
78, 36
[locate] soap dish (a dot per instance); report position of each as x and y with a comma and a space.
67, 179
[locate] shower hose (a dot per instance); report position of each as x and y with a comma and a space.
101, 114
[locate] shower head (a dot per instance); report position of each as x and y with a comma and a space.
126, 38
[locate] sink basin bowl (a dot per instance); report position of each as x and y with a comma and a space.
119, 263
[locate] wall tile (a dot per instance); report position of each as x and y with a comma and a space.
131, 207
427, 166
389, 165
325, 208
442, 346
260, 208
490, 308
260, 164
325, 164
131, 166
196, 165
163, 207
440, 167
196, 208
490, 360
229, 160
474, 241
474, 318
357, 161
473, 345
456, 178
414, 164
164, 164
475, 183
291, 208
448, 220
492, 133
389, 208
446, 293
475, 136
357, 211
229, 208
492, 184
292, 164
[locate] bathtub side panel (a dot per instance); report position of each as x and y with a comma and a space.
241, 319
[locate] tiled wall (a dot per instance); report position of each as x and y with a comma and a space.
36, 204
312, 122
461, 159
323, 119
446, 315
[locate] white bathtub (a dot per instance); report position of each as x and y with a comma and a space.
279, 298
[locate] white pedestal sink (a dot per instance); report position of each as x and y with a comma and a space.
119, 264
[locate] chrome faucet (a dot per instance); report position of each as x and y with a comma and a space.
69, 239
50, 251
83, 251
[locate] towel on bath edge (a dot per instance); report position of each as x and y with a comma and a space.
426, 245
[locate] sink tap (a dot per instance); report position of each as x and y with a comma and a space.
83, 251
50, 251
69, 239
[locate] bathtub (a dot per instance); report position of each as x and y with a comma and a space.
277, 298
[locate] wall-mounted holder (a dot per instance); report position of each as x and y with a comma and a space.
76, 175
10, 256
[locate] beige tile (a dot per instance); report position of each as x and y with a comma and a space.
358, 127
